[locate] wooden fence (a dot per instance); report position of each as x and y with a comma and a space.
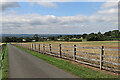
76, 54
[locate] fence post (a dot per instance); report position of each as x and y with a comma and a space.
50, 48
35, 47
43, 47
101, 57
25, 46
32, 47
39, 47
60, 50
75, 52
29, 46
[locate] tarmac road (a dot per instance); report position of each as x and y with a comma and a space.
25, 65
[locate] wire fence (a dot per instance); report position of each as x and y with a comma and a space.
94, 56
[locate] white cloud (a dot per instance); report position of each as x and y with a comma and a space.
45, 4
109, 5
109, 11
39, 22
36, 19
6, 5
35, 23
48, 4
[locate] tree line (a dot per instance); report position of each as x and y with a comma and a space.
107, 36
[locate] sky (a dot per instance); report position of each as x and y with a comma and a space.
58, 17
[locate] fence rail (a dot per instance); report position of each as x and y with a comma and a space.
97, 59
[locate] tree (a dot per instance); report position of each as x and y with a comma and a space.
115, 34
36, 37
107, 33
28, 39
100, 36
20, 39
14, 39
84, 35
92, 37
6, 39
53, 38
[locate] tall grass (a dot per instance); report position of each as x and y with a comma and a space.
4, 63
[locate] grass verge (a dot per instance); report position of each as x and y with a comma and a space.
80, 71
4, 63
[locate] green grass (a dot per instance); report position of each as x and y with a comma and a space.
80, 71
84, 40
5, 63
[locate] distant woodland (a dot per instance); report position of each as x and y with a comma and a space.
107, 36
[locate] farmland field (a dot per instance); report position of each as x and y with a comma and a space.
107, 44
85, 54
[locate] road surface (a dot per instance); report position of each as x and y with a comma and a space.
25, 65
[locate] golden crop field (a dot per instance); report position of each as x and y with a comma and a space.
84, 53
